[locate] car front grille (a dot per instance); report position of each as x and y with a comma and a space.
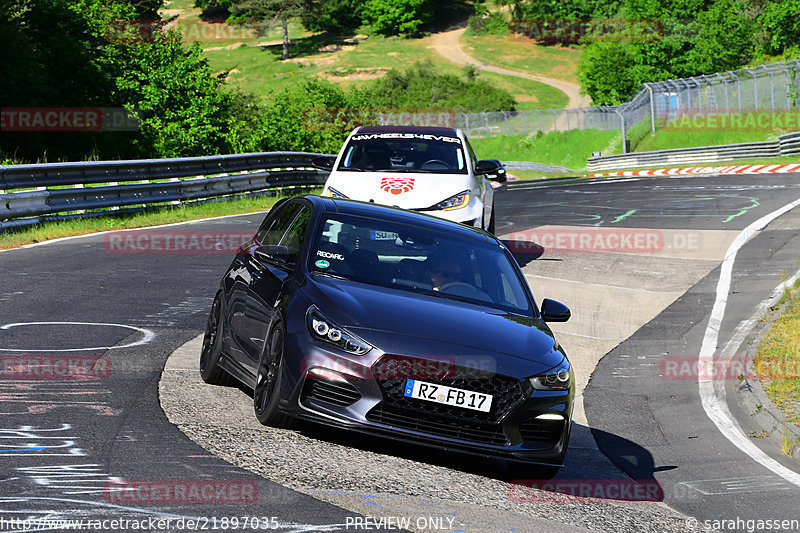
438, 425
338, 393
548, 431
506, 393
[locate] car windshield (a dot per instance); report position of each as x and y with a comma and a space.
404, 152
409, 258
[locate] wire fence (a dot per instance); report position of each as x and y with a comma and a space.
764, 89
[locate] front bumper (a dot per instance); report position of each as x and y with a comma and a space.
344, 391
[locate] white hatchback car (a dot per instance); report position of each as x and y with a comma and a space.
426, 169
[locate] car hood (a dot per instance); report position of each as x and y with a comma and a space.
406, 190
381, 315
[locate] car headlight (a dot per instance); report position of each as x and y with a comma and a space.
454, 202
558, 378
333, 193
324, 330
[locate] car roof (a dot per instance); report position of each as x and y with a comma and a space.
395, 214
432, 130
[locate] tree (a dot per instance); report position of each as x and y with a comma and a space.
606, 72
392, 17
781, 21
334, 16
64, 55
271, 11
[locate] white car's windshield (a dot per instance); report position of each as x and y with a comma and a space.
404, 152
408, 258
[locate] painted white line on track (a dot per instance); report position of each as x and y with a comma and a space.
712, 393
615, 339
147, 336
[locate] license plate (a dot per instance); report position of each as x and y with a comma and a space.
448, 395
383, 235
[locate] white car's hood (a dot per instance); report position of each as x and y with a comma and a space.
401, 189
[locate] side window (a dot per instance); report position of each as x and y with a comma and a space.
472, 155
294, 238
271, 233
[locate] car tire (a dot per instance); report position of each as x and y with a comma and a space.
267, 391
490, 228
211, 352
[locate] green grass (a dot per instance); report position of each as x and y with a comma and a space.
672, 136
259, 69
255, 64
522, 54
567, 149
778, 361
15, 238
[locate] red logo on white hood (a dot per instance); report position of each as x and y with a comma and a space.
397, 185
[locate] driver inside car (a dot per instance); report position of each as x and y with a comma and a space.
443, 273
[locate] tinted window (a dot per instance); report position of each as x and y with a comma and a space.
293, 239
404, 152
270, 233
413, 259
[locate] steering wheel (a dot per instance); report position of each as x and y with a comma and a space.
459, 288
435, 163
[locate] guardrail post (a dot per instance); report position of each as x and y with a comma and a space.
652, 108
624, 133
541, 128
771, 88
786, 85
554, 119
725, 88
755, 87
738, 90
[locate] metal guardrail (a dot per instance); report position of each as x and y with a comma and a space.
59, 188
788, 144
536, 167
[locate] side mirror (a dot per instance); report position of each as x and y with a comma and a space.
493, 168
324, 162
553, 311
272, 253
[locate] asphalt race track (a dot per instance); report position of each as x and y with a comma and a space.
118, 306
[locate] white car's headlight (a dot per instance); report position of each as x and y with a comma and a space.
324, 330
454, 202
333, 193
558, 378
